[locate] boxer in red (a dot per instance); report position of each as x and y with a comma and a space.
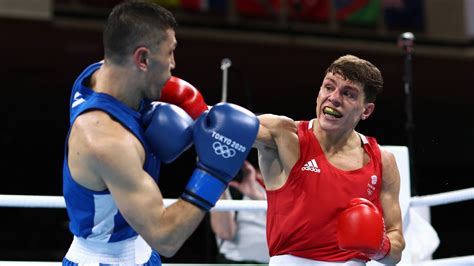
332, 192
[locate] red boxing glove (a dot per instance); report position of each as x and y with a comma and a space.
184, 95
361, 228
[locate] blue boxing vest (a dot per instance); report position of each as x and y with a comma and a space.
93, 214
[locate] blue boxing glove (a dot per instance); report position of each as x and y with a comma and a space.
168, 130
223, 137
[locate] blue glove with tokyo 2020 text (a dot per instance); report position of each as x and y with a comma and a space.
223, 137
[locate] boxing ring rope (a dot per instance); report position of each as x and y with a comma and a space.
442, 198
32, 201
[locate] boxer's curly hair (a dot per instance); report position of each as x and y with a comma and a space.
132, 24
359, 70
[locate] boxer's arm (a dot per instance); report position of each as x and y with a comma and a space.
278, 148
389, 198
271, 127
115, 156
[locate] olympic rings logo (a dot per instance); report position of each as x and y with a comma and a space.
223, 150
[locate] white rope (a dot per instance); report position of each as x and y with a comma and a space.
29, 201
455, 261
443, 198
26, 201
248, 205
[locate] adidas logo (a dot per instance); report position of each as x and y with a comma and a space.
311, 166
77, 99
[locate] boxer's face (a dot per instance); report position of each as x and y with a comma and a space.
162, 62
340, 103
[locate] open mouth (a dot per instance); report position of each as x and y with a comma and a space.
332, 112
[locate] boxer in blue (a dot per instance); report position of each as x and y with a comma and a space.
119, 135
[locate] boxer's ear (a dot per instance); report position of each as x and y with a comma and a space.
368, 110
140, 57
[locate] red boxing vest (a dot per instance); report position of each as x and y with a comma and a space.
302, 215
